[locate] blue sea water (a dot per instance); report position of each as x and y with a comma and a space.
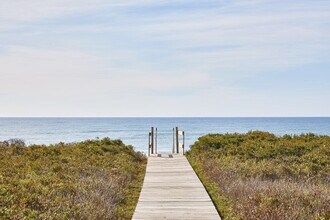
134, 131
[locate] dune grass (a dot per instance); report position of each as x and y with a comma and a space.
93, 179
261, 176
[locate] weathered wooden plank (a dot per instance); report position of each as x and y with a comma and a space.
172, 190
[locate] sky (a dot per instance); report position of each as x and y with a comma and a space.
240, 58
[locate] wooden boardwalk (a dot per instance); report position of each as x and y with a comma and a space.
172, 190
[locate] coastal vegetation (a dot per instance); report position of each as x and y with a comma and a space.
259, 175
93, 179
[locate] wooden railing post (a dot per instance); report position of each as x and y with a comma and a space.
173, 143
156, 143
177, 139
152, 140
149, 143
183, 142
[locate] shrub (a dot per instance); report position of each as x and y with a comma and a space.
258, 175
93, 179
16, 142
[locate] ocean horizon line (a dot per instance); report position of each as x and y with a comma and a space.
3, 117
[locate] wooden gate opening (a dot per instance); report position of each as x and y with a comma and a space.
178, 141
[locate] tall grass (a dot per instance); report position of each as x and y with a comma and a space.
261, 176
94, 179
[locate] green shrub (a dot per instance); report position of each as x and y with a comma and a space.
259, 175
93, 179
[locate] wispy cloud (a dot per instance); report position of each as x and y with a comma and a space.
136, 50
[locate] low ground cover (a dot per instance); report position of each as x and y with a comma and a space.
262, 176
93, 179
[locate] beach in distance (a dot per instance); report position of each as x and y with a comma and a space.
134, 131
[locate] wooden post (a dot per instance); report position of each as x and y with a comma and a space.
149, 143
156, 142
173, 143
152, 140
177, 139
183, 143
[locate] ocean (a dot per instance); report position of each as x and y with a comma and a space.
134, 131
